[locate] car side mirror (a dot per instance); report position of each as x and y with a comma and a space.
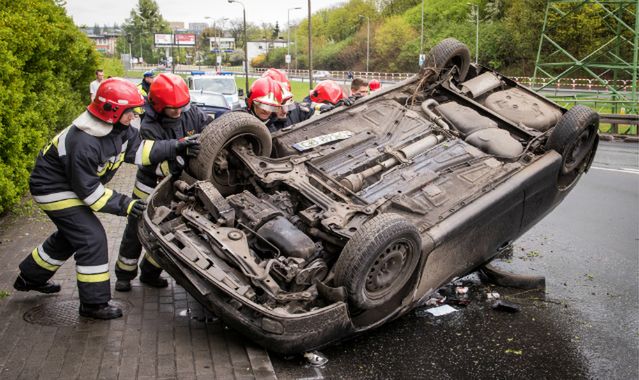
240, 92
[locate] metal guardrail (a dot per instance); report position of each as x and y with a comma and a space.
619, 119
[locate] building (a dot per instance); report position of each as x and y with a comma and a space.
226, 44
104, 43
255, 48
177, 25
197, 27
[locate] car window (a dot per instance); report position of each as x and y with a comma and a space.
220, 85
211, 100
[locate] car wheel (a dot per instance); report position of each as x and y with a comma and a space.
574, 137
378, 261
215, 162
447, 54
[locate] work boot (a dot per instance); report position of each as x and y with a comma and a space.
100, 311
24, 285
123, 285
154, 282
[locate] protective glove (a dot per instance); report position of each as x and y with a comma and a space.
347, 101
325, 107
137, 208
187, 147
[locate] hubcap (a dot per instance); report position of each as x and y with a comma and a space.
387, 269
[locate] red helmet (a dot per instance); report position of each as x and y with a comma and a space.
327, 91
168, 90
278, 76
267, 93
114, 96
374, 85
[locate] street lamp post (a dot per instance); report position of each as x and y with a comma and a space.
421, 38
288, 28
310, 48
246, 85
368, 39
476, 11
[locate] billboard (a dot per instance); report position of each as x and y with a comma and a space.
163, 39
185, 39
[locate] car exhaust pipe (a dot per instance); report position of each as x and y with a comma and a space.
426, 105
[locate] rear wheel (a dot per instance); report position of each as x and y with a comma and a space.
574, 138
216, 162
448, 54
378, 261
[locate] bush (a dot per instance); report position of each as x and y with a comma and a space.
46, 65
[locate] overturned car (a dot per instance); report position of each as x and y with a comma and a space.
343, 222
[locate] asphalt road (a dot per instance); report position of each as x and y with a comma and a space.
585, 325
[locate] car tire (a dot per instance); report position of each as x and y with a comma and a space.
378, 261
217, 137
574, 137
448, 53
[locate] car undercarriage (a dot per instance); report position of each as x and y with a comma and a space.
338, 224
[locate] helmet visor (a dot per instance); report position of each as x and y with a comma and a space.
267, 107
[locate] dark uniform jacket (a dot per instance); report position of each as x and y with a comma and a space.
73, 168
157, 127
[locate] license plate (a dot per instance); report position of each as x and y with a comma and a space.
321, 140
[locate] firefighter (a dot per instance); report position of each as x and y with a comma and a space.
374, 85
67, 182
328, 95
265, 101
291, 111
168, 116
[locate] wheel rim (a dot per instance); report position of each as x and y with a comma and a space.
578, 150
225, 165
388, 272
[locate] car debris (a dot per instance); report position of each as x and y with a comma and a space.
315, 358
390, 198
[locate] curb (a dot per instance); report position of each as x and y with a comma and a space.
620, 138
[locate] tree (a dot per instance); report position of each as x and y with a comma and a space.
46, 66
97, 30
144, 21
276, 31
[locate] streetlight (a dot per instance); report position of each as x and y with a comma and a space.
421, 38
368, 39
288, 28
310, 48
246, 86
476, 11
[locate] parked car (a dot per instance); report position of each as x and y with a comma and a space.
212, 103
341, 223
222, 84
321, 75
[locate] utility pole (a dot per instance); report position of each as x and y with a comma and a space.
288, 29
368, 40
475, 8
246, 88
421, 38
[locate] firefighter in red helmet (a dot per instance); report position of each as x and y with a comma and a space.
168, 116
374, 85
278, 76
327, 95
68, 181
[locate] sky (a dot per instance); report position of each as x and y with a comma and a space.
108, 12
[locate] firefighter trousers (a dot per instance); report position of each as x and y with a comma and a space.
81, 234
126, 268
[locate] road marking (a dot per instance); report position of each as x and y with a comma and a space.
622, 170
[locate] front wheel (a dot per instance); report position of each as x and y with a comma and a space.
378, 261
216, 162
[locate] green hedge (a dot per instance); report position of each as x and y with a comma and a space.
46, 65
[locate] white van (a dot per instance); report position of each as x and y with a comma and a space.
222, 84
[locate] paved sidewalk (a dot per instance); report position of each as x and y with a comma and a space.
164, 334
